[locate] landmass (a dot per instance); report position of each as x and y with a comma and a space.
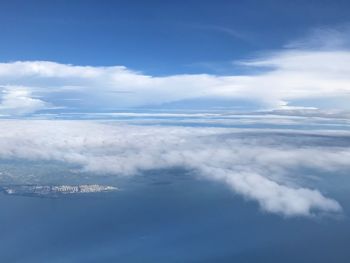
56, 190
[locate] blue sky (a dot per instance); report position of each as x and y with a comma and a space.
106, 55
158, 37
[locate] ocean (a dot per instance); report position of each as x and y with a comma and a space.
173, 218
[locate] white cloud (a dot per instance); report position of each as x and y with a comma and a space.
18, 101
303, 74
288, 75
257, 168
274, 197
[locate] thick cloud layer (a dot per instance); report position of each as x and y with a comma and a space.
255, 167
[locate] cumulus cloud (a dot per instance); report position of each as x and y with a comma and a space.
299, 74
18, 101
287, 76
255, 167
274, 197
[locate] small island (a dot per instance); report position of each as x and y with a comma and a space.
56, 190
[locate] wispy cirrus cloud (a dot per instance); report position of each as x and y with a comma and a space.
324, 38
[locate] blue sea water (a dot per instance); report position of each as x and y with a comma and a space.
177, 218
